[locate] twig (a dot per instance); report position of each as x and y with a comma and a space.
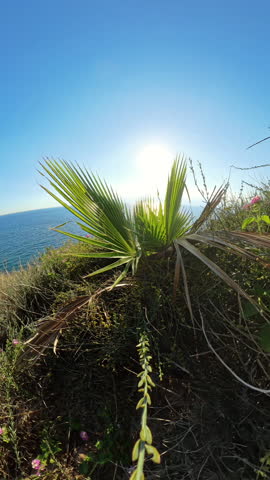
260, 141
251, 168
252, 387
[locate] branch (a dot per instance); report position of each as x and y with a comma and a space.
252, 387
251, 168
260, 141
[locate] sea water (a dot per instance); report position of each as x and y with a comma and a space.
25, 235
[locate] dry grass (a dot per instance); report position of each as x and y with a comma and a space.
7, 279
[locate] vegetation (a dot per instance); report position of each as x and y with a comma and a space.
144, 443
69, 363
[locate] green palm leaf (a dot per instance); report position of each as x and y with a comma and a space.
158, 225
125, 236
116, 232
149, 226
104, 215
176, 223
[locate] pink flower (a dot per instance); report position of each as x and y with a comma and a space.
36, 464
256, 199
1, 431
246, 206
88, 235
84, 436
15, 341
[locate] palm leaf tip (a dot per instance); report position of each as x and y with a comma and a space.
177, 221
100, 210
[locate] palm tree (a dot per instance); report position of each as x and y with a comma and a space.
127, 236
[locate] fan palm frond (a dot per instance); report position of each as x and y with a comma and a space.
126, 236
104, 215
49, 328
177, 223
210, 207
149, 225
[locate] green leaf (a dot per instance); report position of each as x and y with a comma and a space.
146, 435
134, 475
135, 451
142, 381
149, 437
176, 222
266, 219
109, 267
150, 381
153, 451
247, 222
140, 403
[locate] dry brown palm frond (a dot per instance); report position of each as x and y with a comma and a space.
187, 245
214, 201
261, 240
49, 328
180, 267
222, 241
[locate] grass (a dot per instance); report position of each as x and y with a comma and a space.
205, 424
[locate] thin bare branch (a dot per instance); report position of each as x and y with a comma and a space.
260, 141
251, 168
248, 385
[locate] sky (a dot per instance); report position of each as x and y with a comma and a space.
123, 86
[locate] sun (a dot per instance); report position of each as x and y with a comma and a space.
154, 155
153, 163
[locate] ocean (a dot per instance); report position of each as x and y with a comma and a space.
25, 235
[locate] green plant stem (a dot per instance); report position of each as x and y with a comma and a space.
144, 443
141, 457
140, 463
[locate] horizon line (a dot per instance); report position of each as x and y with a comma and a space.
61, 206
30, 210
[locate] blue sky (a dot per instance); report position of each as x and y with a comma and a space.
106, 82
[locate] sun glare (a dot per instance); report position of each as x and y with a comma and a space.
151, 167
154, 155
153, 163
